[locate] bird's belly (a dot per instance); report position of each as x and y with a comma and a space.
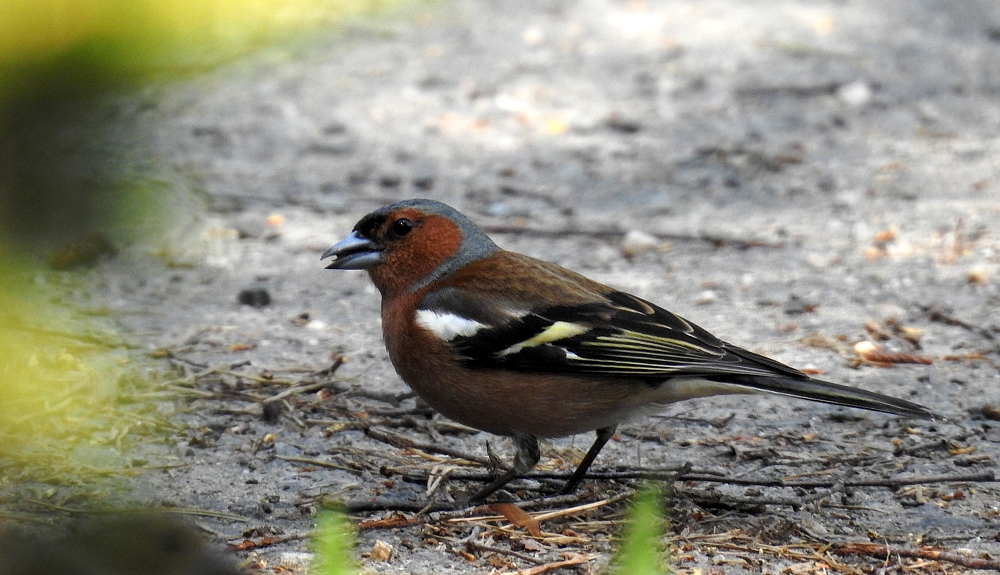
543, 405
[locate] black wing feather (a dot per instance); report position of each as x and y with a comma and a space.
623, 337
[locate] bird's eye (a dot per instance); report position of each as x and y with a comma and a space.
401, 227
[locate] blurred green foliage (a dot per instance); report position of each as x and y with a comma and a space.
333, 544
71, 390
641, 551
71, 395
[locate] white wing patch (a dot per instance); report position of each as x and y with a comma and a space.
447, 326
555, 332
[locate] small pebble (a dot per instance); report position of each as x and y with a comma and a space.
533, 36
424, 182
855, 94
798, 306
706, 297
817, 261
623, 125
271, 411
255, 297
390, 181
991, 411
637, 242
498, 210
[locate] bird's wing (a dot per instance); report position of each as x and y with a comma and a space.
619, 336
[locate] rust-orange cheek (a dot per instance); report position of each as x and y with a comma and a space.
429, 246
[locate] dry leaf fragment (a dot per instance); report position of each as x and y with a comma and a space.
910, 334
873, 354
887, 235
873, 253
788, 159
876, 330
381, 551
972, 355
979, 275
498, 561
822, 341
533, 545
518, 517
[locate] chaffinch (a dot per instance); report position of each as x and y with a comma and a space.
516, 346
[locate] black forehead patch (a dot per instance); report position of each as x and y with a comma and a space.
369, 224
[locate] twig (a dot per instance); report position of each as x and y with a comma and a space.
477, 546
249, 544
449, 511
174, 358
338, 361
935, 313
193, 377
406, 443
471, 544
398, 504
552, 514
181, 390
658, 474
672, 475
538, 570
296, 390
727, 501
393, 399
315, 462
883, 551
894, 483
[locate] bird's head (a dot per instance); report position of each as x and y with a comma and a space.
408, 245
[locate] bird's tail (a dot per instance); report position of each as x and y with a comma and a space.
834, 393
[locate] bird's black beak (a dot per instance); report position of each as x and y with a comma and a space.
353, 253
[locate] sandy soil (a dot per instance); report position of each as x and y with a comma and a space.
807, 169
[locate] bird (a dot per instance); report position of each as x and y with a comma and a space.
516, 346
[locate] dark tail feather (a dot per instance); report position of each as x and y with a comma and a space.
826, 392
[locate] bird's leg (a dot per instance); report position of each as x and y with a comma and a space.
525, 459
603, 435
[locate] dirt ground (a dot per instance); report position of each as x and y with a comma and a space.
806, 175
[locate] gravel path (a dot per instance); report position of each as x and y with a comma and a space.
797, 177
